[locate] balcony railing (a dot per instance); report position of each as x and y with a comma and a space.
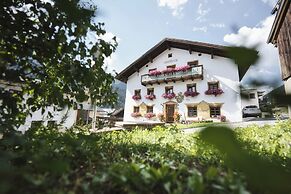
195, 72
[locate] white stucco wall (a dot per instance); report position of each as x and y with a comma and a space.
218, 69
249, 101
58, 117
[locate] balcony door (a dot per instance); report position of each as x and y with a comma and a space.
170, 109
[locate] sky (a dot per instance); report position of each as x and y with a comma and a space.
140, 24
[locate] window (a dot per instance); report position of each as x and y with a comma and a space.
36, 124
193, 63
214, 111
150, 109
137, 92
51, 124
170, 55
192, 111
150, 91
212, 85
136, 109
151, 70
191, 87
252, 96
169, 90
171, 66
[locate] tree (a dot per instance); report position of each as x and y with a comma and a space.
45, 49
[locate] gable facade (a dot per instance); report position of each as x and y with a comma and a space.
207, 71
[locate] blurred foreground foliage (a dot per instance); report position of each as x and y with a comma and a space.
161, 160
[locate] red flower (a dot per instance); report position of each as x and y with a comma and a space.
155, 73
169, 95
136, 97
214, 92
149, 115
191, 93
136, 114
150, 97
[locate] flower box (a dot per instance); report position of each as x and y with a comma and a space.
149, 115
150, 97
183, 68
214, 92
136, 97
168, 71
155, 73
191, 93
169, 95
136, 114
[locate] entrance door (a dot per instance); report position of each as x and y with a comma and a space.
170, 108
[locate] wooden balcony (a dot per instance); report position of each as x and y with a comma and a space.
196, 72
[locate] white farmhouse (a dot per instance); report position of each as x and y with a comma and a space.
196, 80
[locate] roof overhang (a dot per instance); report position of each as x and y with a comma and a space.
168, 43
282, 9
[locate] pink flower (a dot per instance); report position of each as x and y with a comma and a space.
191, 93
149, 115
169, 95
183, 68
136, 114
136, 97
168, 70
214, 92
150, 97
155, 73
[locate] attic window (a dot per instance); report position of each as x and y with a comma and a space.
193, 63
170, 55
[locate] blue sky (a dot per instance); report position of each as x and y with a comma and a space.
140, 24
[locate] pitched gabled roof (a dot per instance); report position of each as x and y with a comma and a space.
168, 43
281, 8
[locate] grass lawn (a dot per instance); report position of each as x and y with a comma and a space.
160, 160
196, 124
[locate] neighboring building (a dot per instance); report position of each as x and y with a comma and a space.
280, 36
196, 80
250, 97
65, 117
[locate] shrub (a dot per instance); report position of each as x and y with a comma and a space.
161, 117
177, 116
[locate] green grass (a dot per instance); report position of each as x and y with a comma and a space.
161, 160
196, 124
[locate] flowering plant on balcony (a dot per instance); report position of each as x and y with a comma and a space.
214, 92
183, 68
168, 70
191, 93
136, 114
155, 73
169, 95
149, 115
136, 97
150, 97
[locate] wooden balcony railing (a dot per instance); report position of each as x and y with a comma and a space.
195, 72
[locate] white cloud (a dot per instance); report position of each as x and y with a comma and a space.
221, 1
202, 12
267, 69
217, 25
272, 3
175, 5
202, 29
